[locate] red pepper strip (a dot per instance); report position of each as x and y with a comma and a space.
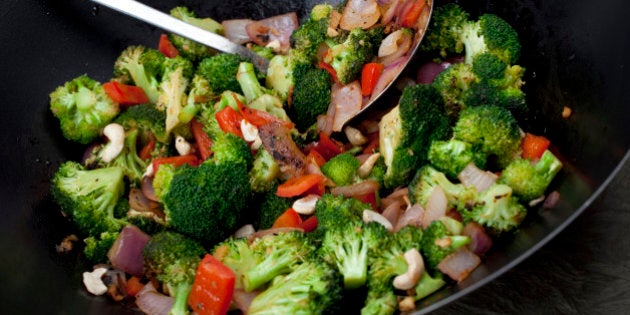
412, 13
373, 143
189, 159
309, 224
213, 288
370, 198
315, 157
201, 138
299, 185
125, 94
369, 76
327, 147
534, 146
166, 47
258, 117
330, 69
290, 218
230, 120
145, 152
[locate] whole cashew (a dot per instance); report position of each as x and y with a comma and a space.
415, 268
115, 133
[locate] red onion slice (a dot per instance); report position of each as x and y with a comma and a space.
459, 264
359, 13
435, 207
151, 302
279, 27
413, 216
236, 30
393, 211
471, 175
347, 101
390, 12
388, 75
126, 253
480, 241
394, 46
356, 190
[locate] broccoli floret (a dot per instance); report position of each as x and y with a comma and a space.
428, 178
271, 207
312, 32
438, 242
342, 169
331, 209
83, 108
128, 160
452, 156
264, 173
346, 246
220, 71
149, 121
491, 33
348, 57
96, 247
162, 179
312, 288
189, 48
236, 254
89, 196
453, 83
229, 148
491, 129
496, 209
443, 33
279, 254
178, 72
311, 95
263, 51
143, 67
209, 201
172, 259
280, 72
406, 132
386, 262
256, 96
530, 179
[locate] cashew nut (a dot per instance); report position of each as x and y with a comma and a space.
306, 205
415, 268
366, 168
371, 216
149, 171
93, 282
244, 231
250, 134
115, 133
407, 304
355, 136
182, 146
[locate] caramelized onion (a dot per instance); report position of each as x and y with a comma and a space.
413, 216
359, 13
236, 30
459, 264
152, 302
435, 207
347, 100
276, 28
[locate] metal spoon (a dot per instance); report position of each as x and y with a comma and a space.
174, 25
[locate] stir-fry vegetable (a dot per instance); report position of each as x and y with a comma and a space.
214, 187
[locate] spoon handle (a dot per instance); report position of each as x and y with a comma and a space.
166, 22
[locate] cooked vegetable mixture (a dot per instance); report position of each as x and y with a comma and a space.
209, 187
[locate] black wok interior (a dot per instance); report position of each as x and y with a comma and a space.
573, 52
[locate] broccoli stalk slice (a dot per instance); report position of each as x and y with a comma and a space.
246, 77
181, 291
427, 285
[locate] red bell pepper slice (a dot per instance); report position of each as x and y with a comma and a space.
309, 224
204, 143
259, 118
315, 157
289, 218
411, 13
145, 152
327, 147
328, 67
125, 94
230, 120
213, 287
299, 185
166, 47
369, 76
189, 159
534, 146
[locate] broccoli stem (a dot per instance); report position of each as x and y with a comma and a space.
246, 77
353, 264
278, 263
181, 293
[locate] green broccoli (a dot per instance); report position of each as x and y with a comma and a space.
348, 57
386, 262
428, 178
143, 67
346, 245
452, 156
443, 33
406, 132
174, 87
162, 179
263, 51
312, 32
342, 169
438, 242
172, 259
128, 160
83, 109
208, 202
236, 254
331, 209
490, 33
264, 173
256, 96
311, 95
312, 288
188, 48
453, 83
220, 71
90, 197
279, 254
96, 247
491, 129
271, 207
147, 119
530, 179
280, 72
496, 209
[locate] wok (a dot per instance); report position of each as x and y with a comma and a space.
574, 52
